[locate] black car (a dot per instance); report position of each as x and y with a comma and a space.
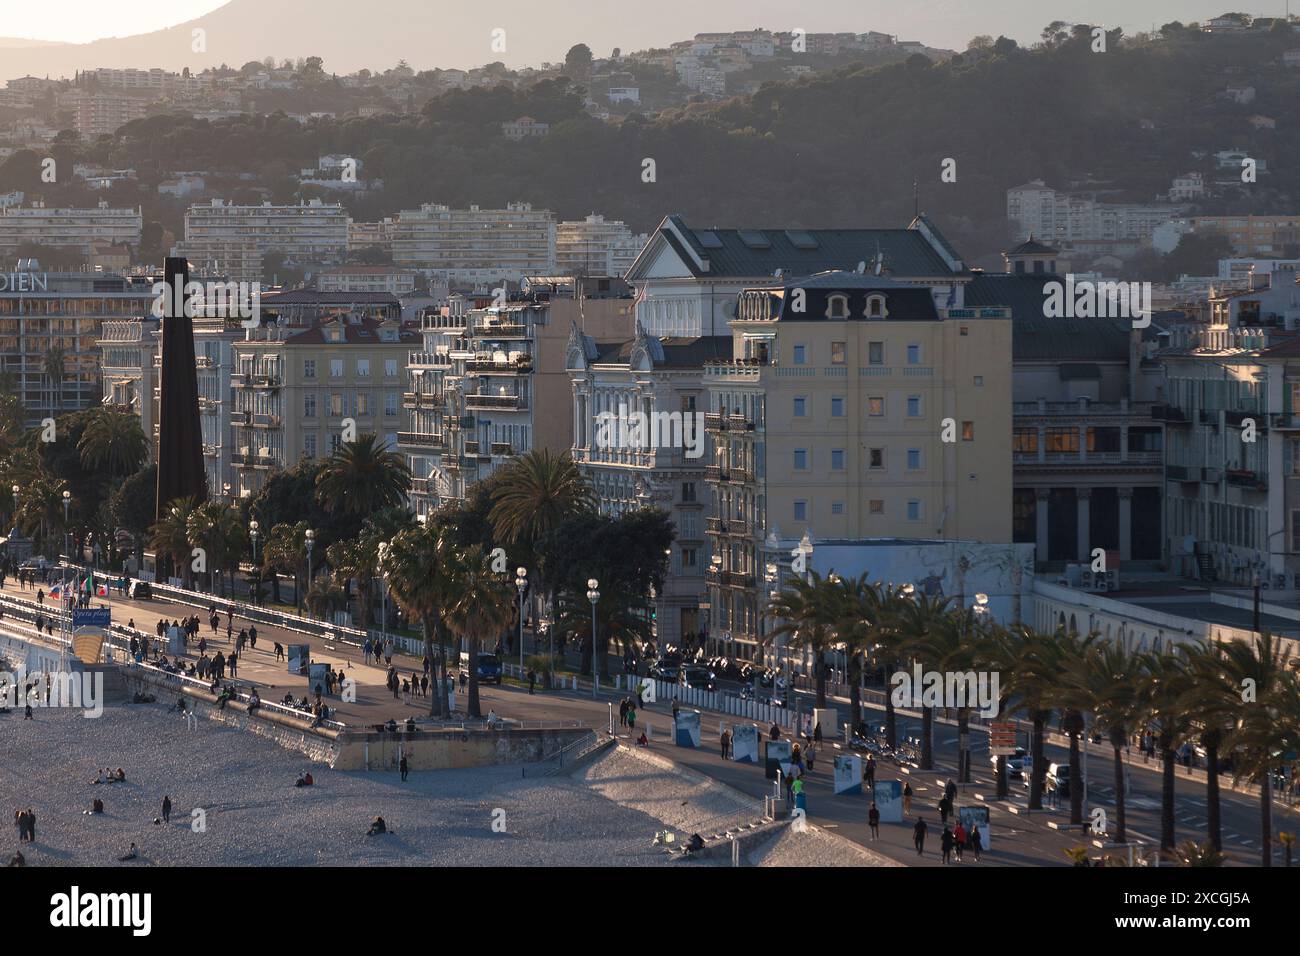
699, 678
141, 590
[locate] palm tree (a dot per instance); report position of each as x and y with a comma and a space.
417, 563
1109, 675
1214, 702
357, 559
170, 535
1033, 684
217, 529
479, 610
858, 612
360, 478
806, 610
52, 366
918, 619
1266, 727
1161, 697
286, 552
1068, 650
534, 494
114, 442
1191, 853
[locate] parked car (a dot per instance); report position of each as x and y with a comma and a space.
1016, 762
489, 667
1058, 778
699, 678
140, 591
37, 563
663, 669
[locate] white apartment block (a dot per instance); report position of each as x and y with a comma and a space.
480, 247
226, 239
100, 114
387, 279
594, 246
1063, 218
68, 228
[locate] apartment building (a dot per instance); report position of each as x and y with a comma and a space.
78, 229
595, 247
295, 392
1266, 237
850, 408
383, 279
98, 114
1063, 219
51, 324
226, 239
491, 382
476, 247
127, 348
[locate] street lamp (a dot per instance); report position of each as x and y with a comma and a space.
593, 596
383, 589
311, 543
521, 584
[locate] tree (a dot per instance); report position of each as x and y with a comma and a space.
215, 528
285, 552
170, 535
53, 368
113, 441
1161, 696
357, 559
806, 611
1032, 685
417, 567
577, 62
479, 607
918, 620
360, 477
1214, 702
132, 505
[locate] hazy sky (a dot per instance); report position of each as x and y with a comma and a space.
944, 23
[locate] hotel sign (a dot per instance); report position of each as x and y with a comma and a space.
24, 282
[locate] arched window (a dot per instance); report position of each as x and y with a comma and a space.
837, 306
876, 308
1074, 626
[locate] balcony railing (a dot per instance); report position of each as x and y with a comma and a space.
1178, 473
504, 367
1246, 478
502, 448
423, 400
500, 330
512, 402
420, 439
239, 417
419, 486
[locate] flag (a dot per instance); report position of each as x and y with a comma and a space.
54, 591
103, 590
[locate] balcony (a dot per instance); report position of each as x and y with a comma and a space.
1169, 414
240, 417
456, 423
1210, 476
735, 579
1286, 422
260, 462
723, 474
263, 420
500, 330
1247, 478
420, 486
503, 448
1179, 473
504, 367
423, 400
504, 402
421, 440
244, 380
428, 360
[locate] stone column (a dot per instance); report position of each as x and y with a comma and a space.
1040, 522
1125, 524
1084, 498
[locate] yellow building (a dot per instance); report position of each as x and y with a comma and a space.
1268, 237
852, 408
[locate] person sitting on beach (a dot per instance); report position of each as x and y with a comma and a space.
97, 806
121, 775
493, 720
254, 701
131, 854
99, 777
18, 859
643, 741
304, 780
378, 826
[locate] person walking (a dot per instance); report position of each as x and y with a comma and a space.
976, 841
946, 842
252, 636
279, 651
631, 719
532, 680
870, 770
403, 767
959, 835
907, 798
945, 809
167, 809
873, 821
726, 744
622, 712
918, 836
367, 650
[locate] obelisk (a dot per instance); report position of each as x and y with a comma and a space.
180, 437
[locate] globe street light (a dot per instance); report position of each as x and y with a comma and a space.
383, 589
521, 584
593, 596
311, 543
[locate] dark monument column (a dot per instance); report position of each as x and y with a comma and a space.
180, 437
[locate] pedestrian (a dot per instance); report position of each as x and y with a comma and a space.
907, 798
532, 680
279, 651
950, 791
403, 767
631, 719
230, 625
946, 842
233, 662
167, 809
252, 636
870, 769
918, 835
945, 808
873, 821
817, 732
726, 744
622, 712
366, 651
811, 754
675, 710
424, 686
976, 841
959, 835
775, 732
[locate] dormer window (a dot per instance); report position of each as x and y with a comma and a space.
876, 307
837, 307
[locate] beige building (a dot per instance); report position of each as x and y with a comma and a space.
852, 408
295, 392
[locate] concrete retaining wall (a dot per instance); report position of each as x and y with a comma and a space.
450, 749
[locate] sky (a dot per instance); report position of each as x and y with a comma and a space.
940, 23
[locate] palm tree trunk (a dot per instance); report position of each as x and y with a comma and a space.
1036, 751
1167, 758
927, 738
472, 707
1003, 790
1266, 818
1074, 727
891, 719
1212, 809
855, 690
1121, 833
963, 740
819, 668
435, 699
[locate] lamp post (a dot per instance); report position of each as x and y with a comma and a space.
383, 590
521, 585
593, 596
311, 543
715, 564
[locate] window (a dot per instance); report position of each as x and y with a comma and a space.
875, 458
390, 368
837, 507
800, 355
336, 442
914, 459
800, 406
690, 527
914, 406
336, 404
876, 407
336, 368
914, 510
309, 444
979, 381
688, 557
801, 459
876, 307
837, 406
363, 403
308, 368
1025, 440
1295, 530
688, 403
1292, 456
309, 405
801, 511
837, 459
390, 403
876, 353
1062, 439
967, 431
837, 307
688, 492
363, 368
876, 506
839, 352
963, 330
914, 354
